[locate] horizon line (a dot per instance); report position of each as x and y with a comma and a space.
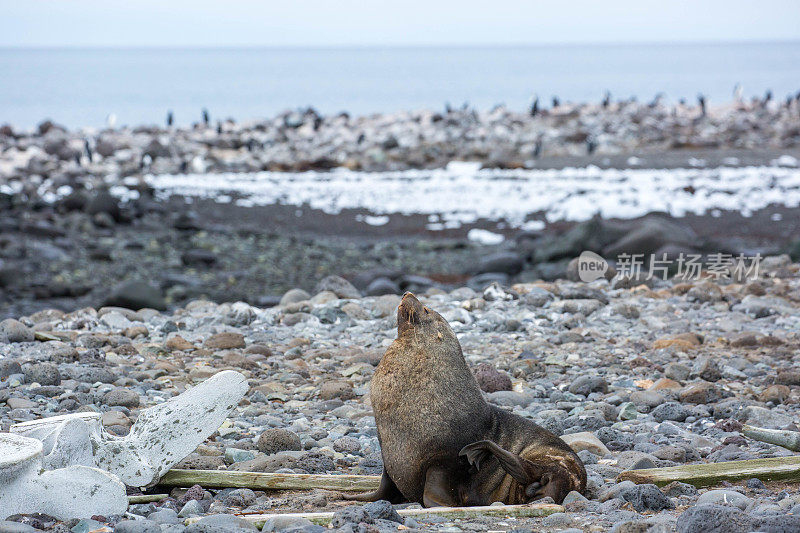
384, 46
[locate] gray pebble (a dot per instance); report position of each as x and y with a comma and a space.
42, 373
347, 445
277, 440
121, 397
12, 330
137, 526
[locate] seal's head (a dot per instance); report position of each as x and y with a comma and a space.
411, 314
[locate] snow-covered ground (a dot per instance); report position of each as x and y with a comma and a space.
462, 192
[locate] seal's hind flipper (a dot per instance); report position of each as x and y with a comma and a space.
387, 490
480, 451
476, 453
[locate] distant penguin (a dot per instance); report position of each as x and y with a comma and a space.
219, 128
701, 100
206, 117
767, 98
447, 108
656, 101
170, 119
534, 107
607, 100
556, 101
184, 166
738, 92
591, 145
537, 148
111, 120
88, 148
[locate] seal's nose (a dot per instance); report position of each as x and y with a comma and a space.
410, 301
409, 309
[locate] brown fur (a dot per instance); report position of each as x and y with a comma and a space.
433, 422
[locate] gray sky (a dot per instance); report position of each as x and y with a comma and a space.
403, 22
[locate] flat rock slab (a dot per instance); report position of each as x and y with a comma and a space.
73, 492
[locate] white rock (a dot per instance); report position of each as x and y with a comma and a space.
725, 497
73, 492
115, 321
161, 437
586, 440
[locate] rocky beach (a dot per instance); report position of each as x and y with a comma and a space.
136, 263
634, 376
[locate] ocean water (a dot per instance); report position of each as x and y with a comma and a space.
81, 87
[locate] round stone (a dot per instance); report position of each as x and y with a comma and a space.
277, 440
121, 397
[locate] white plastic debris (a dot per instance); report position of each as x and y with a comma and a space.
161, 437
72, 492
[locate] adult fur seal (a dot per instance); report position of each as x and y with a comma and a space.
442, 443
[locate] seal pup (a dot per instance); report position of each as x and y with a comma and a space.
441, 442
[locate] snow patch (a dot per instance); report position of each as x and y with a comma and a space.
785, 161
373, 220
483, 236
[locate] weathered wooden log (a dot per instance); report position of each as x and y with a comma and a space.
268, 481
518, 511
703, 475
786, 439
146, 498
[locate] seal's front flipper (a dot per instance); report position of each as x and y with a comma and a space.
479, 452
439, 491
387, 490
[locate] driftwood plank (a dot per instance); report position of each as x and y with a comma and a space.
268, 481
146, 498
44, 336
518, 511
787, 439
702, 475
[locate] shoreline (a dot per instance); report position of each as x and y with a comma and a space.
423, 139
75, 228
